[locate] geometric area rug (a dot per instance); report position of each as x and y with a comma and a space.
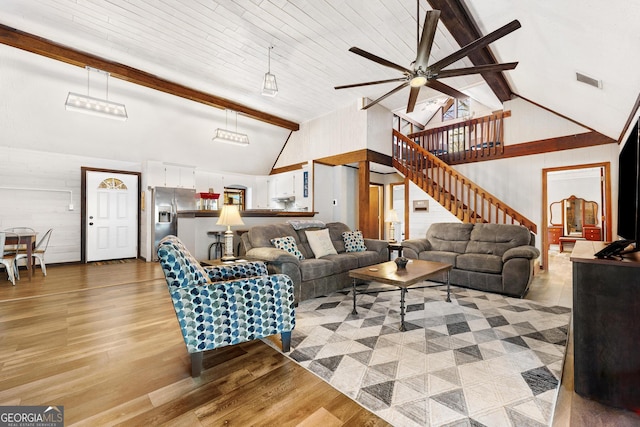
482, 360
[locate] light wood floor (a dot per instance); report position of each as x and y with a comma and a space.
103, 341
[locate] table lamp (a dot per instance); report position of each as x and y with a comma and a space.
392, 218
230, 215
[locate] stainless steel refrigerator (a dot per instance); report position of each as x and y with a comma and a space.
167, 202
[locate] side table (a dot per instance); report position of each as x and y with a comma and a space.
217, 246
395, 246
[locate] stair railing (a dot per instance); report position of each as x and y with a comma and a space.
464, 199
467, 140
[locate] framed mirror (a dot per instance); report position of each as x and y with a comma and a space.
573, 209
555, 213
590, 216
573, 214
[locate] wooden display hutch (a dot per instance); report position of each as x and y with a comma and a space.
573, 219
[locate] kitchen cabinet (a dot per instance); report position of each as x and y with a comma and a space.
167, 175
263, 193
179, 176
285, 184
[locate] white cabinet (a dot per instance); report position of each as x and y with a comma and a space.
263, 192
166, 175
285, 184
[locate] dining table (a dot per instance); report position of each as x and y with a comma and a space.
24, 238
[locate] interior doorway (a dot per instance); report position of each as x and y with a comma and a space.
398, 203
376, 211
590, 182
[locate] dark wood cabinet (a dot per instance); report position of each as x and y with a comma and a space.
554, 233
592, 233
606, 337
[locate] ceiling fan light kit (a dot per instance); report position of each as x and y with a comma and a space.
418, 81
422, 74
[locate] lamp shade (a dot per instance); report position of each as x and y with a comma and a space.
230, 216
392, 216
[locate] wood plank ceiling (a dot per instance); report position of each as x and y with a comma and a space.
220, 47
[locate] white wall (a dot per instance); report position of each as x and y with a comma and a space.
41, 210
160, 127
344, 130
528, 122
419, 221
518, 181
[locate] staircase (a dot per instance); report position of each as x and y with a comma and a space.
467, 201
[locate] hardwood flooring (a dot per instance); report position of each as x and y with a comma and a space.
103, 342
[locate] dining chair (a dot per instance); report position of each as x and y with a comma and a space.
38, 253
13, 249
7, 259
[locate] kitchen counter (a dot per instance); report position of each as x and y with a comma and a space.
249, 213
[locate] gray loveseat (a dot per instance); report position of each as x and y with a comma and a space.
311, 277
488, 257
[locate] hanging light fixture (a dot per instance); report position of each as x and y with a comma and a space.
269, 86
95, 106
229, 136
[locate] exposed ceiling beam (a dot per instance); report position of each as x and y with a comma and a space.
38, 45
463, 28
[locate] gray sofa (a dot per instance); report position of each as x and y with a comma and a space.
488, 257
311, 277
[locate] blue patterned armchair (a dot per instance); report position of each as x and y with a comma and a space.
226, 304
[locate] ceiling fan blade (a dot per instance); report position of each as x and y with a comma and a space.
477, 44
426, 40
479, 69
399, 79
446, 89
413, 97
391, 92
381, 61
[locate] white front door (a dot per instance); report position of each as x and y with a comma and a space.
111, 216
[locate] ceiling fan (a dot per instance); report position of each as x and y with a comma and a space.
422, 74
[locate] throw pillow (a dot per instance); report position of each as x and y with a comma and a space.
320, 242
353, 241
301, 224
287, 244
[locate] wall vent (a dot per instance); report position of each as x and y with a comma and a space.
589, 80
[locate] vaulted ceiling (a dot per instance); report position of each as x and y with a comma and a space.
221, 48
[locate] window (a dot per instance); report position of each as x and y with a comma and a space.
234, 196
113, 184
456, 108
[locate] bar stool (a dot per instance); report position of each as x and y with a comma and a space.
217, 246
